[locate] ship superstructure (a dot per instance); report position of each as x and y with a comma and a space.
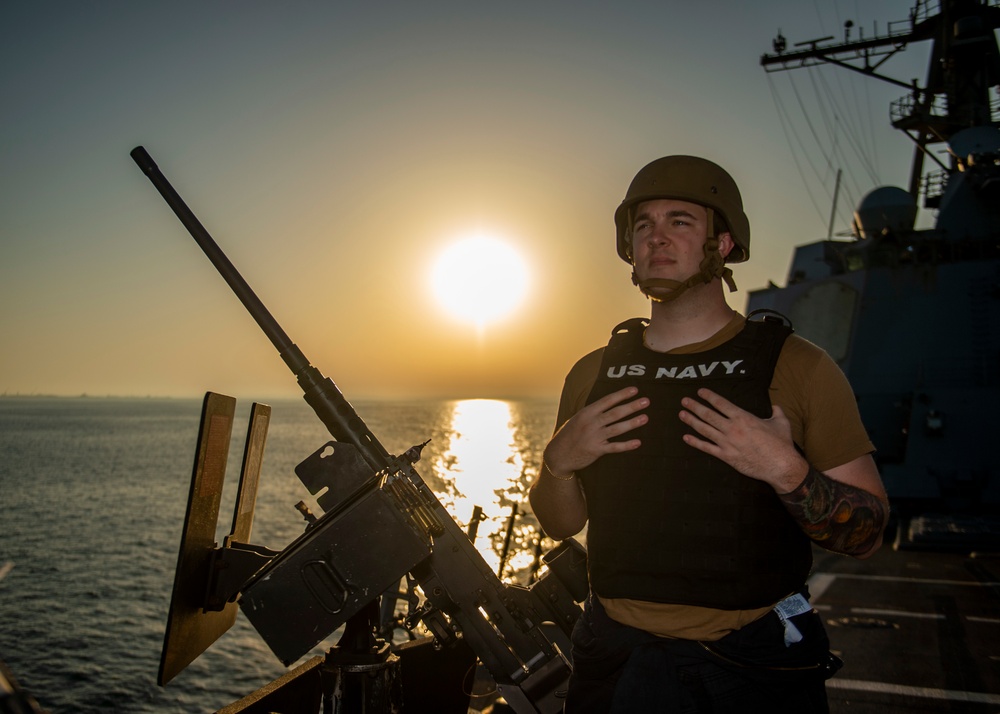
913, 315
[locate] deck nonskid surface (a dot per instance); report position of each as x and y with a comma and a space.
918, 631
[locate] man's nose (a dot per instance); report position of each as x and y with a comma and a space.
658, 235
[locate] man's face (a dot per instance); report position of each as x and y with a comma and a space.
668, 239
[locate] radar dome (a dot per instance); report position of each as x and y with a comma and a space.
973, 141
886, 209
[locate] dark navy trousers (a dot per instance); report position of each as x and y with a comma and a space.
619, 669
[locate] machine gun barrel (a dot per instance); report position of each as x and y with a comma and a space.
320, 392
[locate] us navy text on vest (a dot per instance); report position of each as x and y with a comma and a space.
691, 371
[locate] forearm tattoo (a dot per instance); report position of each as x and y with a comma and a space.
839, 517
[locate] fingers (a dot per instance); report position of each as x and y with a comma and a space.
611, 404
697, 415
723, 426
617, 447
590, 433
705, 419
702, 426
720, 406
707, 447
618, 428
611, 413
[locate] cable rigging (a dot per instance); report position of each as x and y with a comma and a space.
785, 121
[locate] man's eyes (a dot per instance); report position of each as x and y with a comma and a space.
674, 221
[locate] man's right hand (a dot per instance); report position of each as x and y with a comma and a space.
556, 496
588, 434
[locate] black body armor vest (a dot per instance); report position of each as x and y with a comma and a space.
669, 523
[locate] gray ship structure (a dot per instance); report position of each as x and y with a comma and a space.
913, 315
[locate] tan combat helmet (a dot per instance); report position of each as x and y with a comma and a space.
688, 178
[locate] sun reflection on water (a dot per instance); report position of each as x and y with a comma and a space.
484, 466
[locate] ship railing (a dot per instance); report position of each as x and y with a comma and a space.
933, 186
899, 249
811, 53
926, 9
915, 104
881, 43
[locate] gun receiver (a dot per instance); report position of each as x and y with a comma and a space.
330, 574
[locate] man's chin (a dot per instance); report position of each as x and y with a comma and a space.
661, 292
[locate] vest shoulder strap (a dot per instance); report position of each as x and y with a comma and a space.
768, 316
632, 325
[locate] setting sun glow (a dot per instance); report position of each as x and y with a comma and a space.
479, 280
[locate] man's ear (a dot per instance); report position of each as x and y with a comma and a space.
726, 244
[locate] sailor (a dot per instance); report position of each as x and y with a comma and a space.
705, 452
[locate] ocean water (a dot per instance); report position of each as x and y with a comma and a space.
92, 500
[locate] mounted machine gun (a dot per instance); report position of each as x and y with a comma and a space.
381, 522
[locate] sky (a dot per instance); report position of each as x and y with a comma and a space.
334, 150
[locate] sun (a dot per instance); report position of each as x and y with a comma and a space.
479, 280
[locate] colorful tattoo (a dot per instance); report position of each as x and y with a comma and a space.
837, 516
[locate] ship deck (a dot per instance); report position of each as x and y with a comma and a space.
918, 631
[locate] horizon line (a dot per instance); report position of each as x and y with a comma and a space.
285, 398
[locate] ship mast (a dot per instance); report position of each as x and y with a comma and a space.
964, 66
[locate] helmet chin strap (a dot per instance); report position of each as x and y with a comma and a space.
712, 266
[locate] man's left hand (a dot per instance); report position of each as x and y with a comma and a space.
758, 448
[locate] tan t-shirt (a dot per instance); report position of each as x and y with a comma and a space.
820, 405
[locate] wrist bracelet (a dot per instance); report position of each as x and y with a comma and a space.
571, 477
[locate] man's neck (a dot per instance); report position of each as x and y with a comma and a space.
687, 321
